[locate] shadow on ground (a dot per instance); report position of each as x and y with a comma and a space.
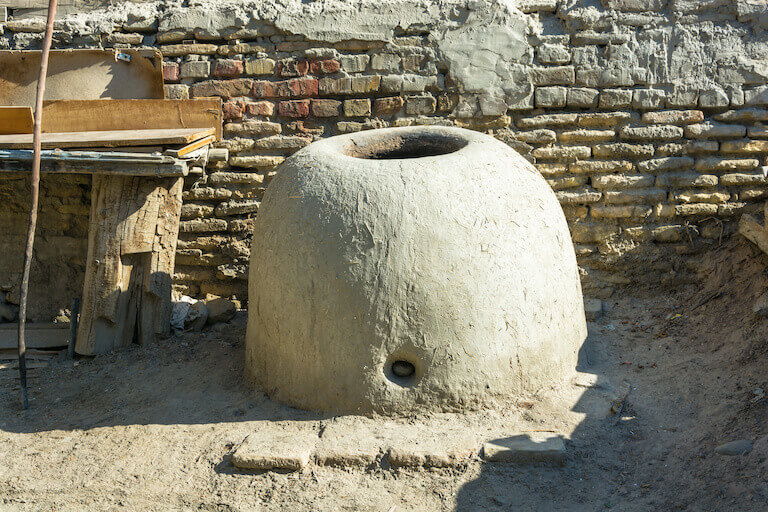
588, 479
197, 378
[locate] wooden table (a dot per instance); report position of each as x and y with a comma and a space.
134, 226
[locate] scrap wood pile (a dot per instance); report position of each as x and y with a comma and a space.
147, 137
106, 116
142, 139
154, 137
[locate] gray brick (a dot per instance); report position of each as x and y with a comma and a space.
553, 54
580, 97
648, 98
551, 97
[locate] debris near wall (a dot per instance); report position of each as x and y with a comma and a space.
645, 116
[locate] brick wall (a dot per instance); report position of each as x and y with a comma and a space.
653, 148
61, 246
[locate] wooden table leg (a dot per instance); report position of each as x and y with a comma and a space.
132, 239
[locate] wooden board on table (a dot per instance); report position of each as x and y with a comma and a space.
189, 148
111, 138
10, 168
131, 149
37, 335
81, 74
99, 115
15, 120
11, 354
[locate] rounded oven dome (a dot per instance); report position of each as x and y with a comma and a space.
410, 269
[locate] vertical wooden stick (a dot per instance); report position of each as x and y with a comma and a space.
35, 192
73, 320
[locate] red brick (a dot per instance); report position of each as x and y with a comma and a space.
292, 67
326, 108
260, 108
223, 88
387, 106
170, 71
293, 88
227, 68
301, 87
264, 89
232, 110
293, 108
324, 67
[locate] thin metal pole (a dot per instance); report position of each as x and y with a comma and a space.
35, 192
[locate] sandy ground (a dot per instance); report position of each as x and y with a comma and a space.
153, 429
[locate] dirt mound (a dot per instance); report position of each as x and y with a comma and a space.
732, 277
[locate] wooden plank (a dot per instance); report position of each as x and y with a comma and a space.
38, 336
81, 74
15, 120
89, 155
89, 162
10, 354
189, 148
112, 138
101, 115
157, 304
131, 249
177, 169
30, 366
130, 149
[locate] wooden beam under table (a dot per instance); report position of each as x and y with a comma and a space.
39, 335
92, 162
132, 240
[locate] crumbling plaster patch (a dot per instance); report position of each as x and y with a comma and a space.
487, 44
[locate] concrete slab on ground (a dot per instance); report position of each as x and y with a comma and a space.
286, 445
422, 446
354, 441
359, 441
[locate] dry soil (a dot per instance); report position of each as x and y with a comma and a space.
153, 428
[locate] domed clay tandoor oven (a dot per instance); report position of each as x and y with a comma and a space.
411, 269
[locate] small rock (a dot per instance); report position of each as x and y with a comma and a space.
197, 316
277, 445
740, 447
593, 308
220, 310
760, 307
